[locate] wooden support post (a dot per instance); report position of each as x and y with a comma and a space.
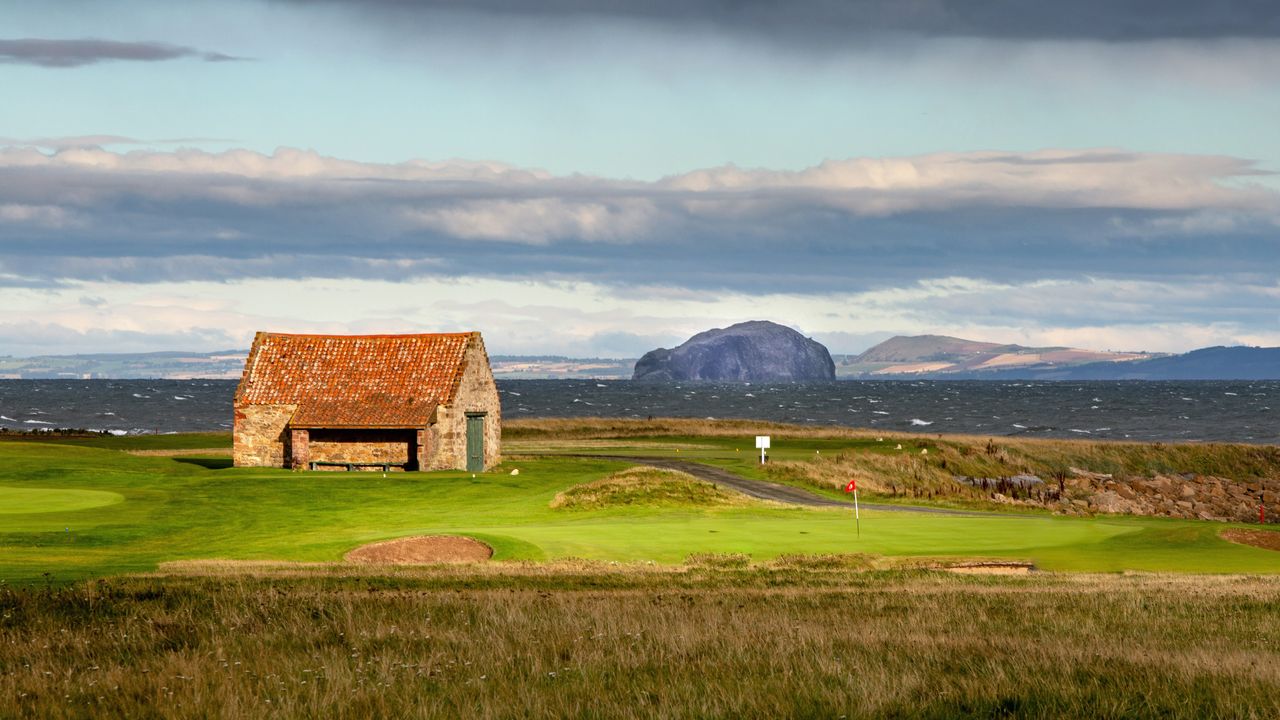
299, 442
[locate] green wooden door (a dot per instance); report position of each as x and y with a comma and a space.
475, 443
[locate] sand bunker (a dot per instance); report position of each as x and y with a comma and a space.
422, 550
1265, 539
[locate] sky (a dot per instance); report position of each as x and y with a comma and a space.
597, 179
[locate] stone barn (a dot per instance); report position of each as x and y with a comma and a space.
412, 402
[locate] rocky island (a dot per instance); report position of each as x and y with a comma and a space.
756, 351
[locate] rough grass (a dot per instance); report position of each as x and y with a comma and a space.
778, 640
915, 467
608, 428
930, 475
644, 486
169, 441
972, 455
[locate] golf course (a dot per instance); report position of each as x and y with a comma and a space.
92, 507
145, 576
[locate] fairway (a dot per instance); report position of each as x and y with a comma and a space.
74, 512
22, 501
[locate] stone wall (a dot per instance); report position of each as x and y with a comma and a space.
261, 438
362, 446
477, 392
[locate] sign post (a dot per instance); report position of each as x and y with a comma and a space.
857, 518
762, 442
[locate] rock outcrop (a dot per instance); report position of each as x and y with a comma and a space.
756, 351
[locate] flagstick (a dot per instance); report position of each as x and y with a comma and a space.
856, 517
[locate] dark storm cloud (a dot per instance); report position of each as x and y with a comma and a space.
837, 21
77, 53
842, 226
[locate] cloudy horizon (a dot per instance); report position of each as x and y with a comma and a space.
599, 179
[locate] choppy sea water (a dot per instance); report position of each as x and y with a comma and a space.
1167, 411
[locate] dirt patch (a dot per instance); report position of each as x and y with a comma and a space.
422, 550
990, 568
1265, 539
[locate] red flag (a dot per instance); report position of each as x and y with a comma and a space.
853, 485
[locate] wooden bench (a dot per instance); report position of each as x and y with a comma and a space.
353, 465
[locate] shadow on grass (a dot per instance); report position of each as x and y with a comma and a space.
209, 463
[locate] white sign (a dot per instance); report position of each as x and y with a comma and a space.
762, 441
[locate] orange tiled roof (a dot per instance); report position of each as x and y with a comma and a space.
355, 380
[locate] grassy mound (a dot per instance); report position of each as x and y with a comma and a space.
646, 487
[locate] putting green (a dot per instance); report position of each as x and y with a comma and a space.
21, 501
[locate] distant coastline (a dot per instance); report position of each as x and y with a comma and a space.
228, 365
916, 358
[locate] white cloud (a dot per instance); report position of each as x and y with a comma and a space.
491, 201
541, 221
46, 215
1049, 246
284, 163
586, 319
1048, 178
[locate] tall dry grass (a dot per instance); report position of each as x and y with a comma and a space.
908, 473
784, 640
1059, 463
605, 428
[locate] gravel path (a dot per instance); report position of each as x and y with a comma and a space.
765, 490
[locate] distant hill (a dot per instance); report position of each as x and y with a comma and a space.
557, 367
224, 364
941, 355
918, 348
1212, 363
950, 358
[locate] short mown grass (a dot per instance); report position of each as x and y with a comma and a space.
189, 508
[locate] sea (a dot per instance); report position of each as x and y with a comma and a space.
1198, 411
